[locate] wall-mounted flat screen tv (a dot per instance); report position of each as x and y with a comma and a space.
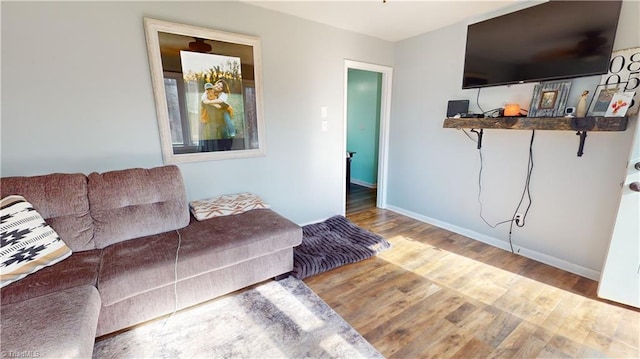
550, 41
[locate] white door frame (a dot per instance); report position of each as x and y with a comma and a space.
383, 140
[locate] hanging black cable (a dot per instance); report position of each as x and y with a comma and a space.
526, 191
480, 194
478, 100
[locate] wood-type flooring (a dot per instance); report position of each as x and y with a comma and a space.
437, 294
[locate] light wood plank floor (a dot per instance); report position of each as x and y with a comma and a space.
360, 198
439, 294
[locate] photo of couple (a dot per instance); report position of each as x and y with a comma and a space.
217, 130
215, 110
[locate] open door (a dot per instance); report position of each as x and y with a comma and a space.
385, 113
620, 277
363, 127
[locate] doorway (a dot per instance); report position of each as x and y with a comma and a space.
380, 152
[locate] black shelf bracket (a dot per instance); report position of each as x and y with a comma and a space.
583, 137
479, 133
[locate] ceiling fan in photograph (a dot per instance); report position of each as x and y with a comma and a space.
172, 44
198, 45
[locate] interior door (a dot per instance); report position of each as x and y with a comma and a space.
363, 125
385, 115
620, 278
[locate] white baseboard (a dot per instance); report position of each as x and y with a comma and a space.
540, 257
363, 183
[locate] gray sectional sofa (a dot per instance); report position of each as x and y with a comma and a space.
124, 228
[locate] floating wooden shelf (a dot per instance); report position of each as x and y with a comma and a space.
580, 124
541, 123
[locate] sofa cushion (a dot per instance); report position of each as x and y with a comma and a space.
58, 325
134, 267
28, 244
192, 291
136, 202
62, 201
79, 269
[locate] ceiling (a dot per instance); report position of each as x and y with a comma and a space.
393, 20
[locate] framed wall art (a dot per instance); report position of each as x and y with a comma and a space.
549, 99
620, 104
207, 87
602, 98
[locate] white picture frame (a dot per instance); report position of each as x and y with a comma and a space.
183, 59
602, 98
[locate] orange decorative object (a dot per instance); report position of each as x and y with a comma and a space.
512, 109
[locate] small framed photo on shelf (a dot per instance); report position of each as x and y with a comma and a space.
602, 98
620, 103
549, 99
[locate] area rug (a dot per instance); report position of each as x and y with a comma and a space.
276, 319
333, 243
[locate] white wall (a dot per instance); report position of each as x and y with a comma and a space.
77, 97
433, 172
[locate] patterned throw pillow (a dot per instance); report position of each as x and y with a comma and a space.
225, 205
28, 244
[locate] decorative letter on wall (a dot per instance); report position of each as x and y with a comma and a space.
208, 92
624, 67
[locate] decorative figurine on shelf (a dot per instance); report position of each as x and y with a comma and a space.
581, 109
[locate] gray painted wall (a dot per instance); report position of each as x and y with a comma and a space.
77, 97
433, 172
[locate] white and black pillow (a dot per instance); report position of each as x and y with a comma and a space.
28, 243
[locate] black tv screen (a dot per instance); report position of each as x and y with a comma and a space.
550, 41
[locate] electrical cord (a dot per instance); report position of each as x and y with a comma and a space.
478, 100
493, 112
527, 187
468, 135
175, 282
526, 191
480, 194
480, 185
